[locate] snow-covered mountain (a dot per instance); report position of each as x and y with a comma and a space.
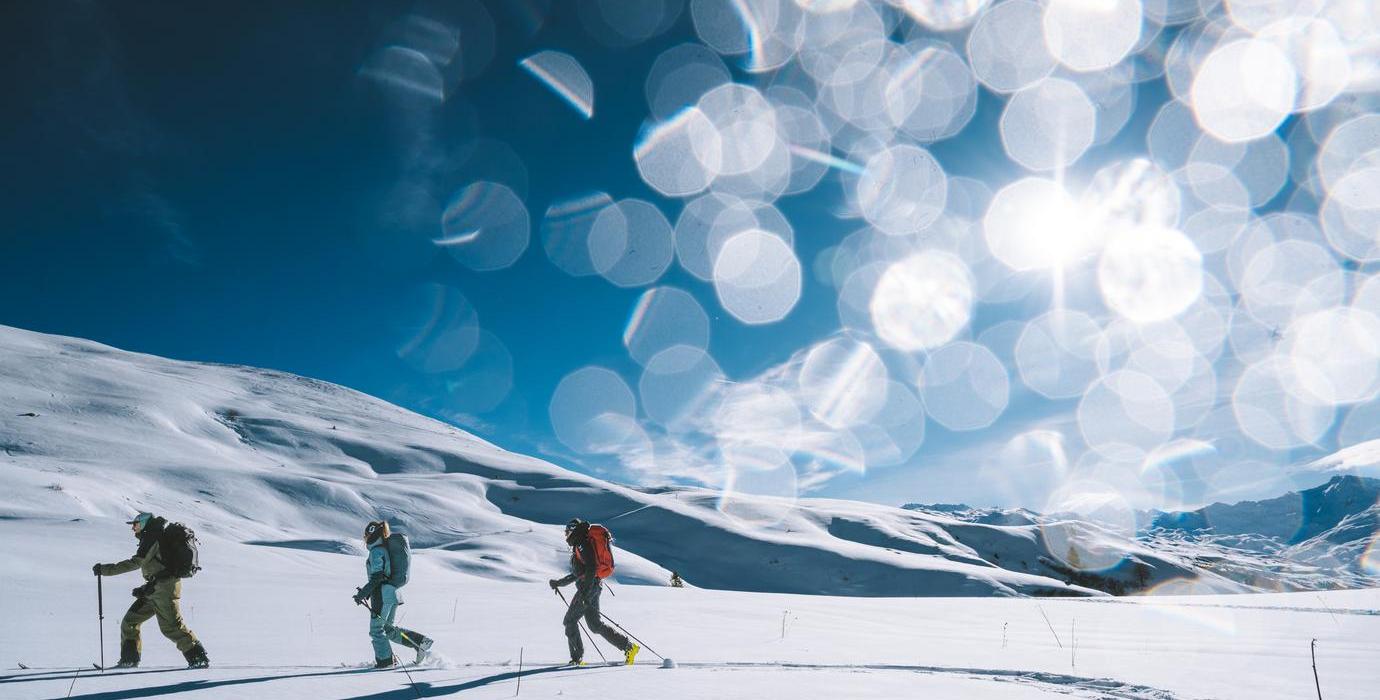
278, 460
1292, 518
269, 458
1330, 527
1314, 539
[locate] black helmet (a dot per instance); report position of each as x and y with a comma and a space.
374, 530
575, 530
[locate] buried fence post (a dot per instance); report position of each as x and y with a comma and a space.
519, 684
1073, 643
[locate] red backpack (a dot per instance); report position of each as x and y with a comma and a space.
601, 541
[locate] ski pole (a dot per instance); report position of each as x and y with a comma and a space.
100, 618
630, 634
582, 627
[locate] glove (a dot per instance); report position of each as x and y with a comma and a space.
96, 569
555, 584
359, 597
143, 591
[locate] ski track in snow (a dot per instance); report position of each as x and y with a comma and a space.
1072, 685
1062, 684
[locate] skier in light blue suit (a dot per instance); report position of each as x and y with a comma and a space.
381, 595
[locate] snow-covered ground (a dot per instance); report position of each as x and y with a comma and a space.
278, 473
279, 623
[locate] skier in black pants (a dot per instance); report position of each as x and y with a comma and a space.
585, 604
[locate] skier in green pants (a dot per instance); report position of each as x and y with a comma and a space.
158, 597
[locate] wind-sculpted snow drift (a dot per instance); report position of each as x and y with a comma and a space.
270, 458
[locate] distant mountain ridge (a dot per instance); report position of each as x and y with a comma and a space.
1291, 518
1323, 537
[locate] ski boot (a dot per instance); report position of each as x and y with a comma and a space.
129, 655
423, 650
389, 662
575, 662
196, 657
631, 654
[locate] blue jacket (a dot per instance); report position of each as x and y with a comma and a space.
378, 568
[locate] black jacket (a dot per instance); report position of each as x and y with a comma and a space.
148, 536
583, 567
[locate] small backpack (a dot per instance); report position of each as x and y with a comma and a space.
177, 549
399, 558
601, 541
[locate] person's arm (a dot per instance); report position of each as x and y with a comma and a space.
570, 577
122, 567
378, 571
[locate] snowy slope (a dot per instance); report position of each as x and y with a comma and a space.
278, 624
268, 458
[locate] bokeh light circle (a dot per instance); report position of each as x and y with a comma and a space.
1048, 125
630, 243
1150, 274
1125, 413
964, 386
1088, 35
843, 382
1243, 90
1057, 353
923, 301
902, 190
485, 227
757, 277
1006, 46
662, 318
580, 403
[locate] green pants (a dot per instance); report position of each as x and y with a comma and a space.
163, 604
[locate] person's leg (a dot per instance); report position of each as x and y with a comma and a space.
130, 645
572, 628
596, 622
165, 599
377, 624
406, 637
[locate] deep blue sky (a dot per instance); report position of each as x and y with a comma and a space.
206, 184
219, 183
